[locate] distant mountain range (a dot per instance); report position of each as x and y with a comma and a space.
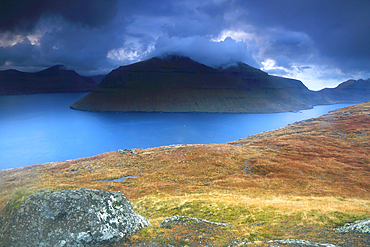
55, 79
351, 91
179, 84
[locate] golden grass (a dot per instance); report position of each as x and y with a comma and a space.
254, 218
283, 205
314, 172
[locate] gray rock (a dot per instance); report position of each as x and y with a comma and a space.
125, 152
361, 226
175, 220
82, 217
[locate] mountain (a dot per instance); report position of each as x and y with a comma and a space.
179, 84
55, 79
349, 91
97, 78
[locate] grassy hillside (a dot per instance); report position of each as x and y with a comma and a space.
298, 182
178, 84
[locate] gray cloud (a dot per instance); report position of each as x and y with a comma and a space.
202, 50
24, 15
78, 48
331, 36
21, 53
337, 28
283, 61
77, 33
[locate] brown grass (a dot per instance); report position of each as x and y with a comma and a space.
311, 172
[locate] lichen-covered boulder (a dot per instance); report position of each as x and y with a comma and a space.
361, 226
82, 217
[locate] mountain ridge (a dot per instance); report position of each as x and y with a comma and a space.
56, 79
350, 91
179, 84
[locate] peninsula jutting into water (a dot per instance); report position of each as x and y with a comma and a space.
179, 84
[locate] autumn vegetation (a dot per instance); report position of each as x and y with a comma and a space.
310, 174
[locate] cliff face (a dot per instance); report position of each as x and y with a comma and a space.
179, 84
349, 91
52, 80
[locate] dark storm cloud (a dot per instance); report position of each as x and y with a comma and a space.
339, 29
78, 48
204, 20
85, 35
23, 15
21, 53
77, 33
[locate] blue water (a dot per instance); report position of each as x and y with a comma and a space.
40, 128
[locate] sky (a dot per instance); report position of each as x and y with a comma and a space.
320, 42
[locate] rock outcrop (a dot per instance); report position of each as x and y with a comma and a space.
362, 226
82, 217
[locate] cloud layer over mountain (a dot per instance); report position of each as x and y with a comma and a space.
320, 42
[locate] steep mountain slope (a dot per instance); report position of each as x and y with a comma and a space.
348, 91
289, 93
179, 84
55, 79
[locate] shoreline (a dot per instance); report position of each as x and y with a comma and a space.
96, 154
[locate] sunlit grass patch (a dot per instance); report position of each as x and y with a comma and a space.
255, 217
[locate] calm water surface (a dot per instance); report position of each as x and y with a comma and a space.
36, 129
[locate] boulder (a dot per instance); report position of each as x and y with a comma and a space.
82, 217
361, 226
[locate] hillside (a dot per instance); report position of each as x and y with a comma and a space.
55, 79
296, 182
179, 84
349, 91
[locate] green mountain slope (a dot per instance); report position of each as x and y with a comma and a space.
179, 84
